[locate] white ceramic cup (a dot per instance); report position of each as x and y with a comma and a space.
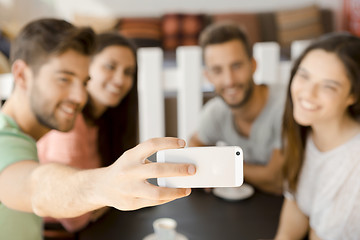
165, 229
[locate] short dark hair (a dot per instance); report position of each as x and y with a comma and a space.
223, 32
45, 37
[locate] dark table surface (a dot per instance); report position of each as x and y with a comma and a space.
201, 216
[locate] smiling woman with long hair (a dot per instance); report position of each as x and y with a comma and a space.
321, 132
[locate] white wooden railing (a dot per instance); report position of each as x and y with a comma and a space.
187, 80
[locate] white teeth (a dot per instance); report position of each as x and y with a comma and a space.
308, 105
113, 89
230, 91
69, 110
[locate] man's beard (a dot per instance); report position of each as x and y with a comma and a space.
44, 118
49, 121
247, 95
43, 115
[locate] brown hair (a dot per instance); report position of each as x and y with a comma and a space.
223, 32
45, 37
347, 48
118, 126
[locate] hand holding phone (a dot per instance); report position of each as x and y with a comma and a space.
215, 166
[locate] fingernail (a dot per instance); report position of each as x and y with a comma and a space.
187, 191
191, 169
181, 143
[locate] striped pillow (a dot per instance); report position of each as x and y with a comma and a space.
145, 32
181, 29
298, 24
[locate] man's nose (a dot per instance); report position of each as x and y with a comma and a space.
78, 94
229, 77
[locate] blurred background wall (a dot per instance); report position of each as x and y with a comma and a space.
17, 12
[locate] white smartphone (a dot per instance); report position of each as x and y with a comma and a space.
215, 167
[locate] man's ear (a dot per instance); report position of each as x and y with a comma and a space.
21, 73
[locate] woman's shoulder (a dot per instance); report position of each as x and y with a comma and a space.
353, 144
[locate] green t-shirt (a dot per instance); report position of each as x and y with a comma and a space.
16, 146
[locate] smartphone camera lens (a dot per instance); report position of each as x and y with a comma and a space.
237, 153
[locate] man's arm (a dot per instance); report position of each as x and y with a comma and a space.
293, 223
269, 177
60, 191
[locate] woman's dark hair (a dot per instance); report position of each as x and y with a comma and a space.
347, 48
118, 126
